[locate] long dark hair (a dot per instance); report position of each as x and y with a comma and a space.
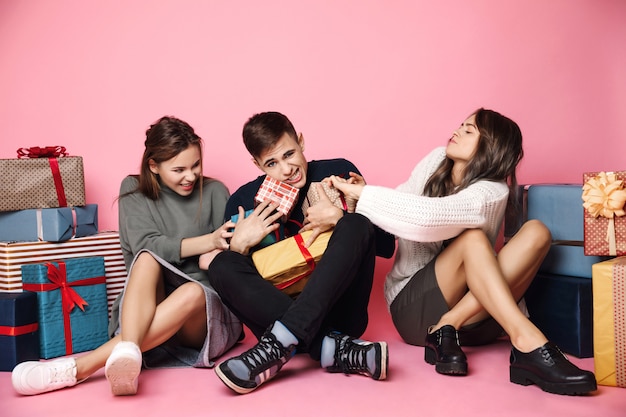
165, 138
497, 155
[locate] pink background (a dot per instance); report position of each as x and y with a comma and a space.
377, 82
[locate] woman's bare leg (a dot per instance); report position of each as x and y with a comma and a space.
182, 313
494, 282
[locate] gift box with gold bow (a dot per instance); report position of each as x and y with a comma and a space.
287, 264
41, 177
609, 321
71, 294
604, 199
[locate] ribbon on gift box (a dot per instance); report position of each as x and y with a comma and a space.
308, 258
69, 297
52, 153
604, 195
18, 330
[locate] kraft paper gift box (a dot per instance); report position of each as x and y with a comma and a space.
105, 244
604, 199
287, 264
42, 182
19, 324
562, 308
609, 321
71, 294
334, 195
52, 224
280, 193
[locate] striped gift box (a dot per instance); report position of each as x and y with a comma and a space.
105, 244
280, 193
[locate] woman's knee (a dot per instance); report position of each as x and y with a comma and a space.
536, 233
191, 294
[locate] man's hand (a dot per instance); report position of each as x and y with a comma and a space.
249, 231
321, 217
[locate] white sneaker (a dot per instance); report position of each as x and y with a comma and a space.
31, 378
123, 367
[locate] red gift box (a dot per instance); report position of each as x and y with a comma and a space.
278, 192
604, 197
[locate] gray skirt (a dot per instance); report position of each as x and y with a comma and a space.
223, 327
420, 304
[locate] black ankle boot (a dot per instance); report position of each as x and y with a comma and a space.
551, 371
442, 350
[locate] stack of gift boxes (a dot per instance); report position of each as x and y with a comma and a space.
58, 274
578, 296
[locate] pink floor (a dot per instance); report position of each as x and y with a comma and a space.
303, 389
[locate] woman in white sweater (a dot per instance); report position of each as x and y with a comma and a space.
448, 287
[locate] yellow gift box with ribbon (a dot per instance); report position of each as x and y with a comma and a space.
609, 321
287, 264
604, 200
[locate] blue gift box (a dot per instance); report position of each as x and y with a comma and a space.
271, 238
562, 308
559, 207
19, 334
569, 260
49, 224
73, 312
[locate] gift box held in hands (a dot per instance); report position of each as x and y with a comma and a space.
334, 195
288, 264
278, 192
41, 178
604, 199
270, 238
609, 321
71, 294
19, 329
51, 225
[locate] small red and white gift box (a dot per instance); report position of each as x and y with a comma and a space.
278, 192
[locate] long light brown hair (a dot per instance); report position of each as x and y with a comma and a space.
496, 157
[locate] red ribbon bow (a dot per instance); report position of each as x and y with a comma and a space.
50, 152
69, 297
41, 152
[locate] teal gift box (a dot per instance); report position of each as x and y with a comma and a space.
73, 312
49, 224
270, 239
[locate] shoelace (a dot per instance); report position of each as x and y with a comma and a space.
267, 350
350, 357
60, 374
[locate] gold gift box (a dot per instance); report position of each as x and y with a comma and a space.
287, 264
609, 321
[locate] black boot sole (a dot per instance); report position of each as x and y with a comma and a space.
444, 368
525, 377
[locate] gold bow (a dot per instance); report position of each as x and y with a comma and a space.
604, 195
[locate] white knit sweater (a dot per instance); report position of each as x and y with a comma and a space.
421, 223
